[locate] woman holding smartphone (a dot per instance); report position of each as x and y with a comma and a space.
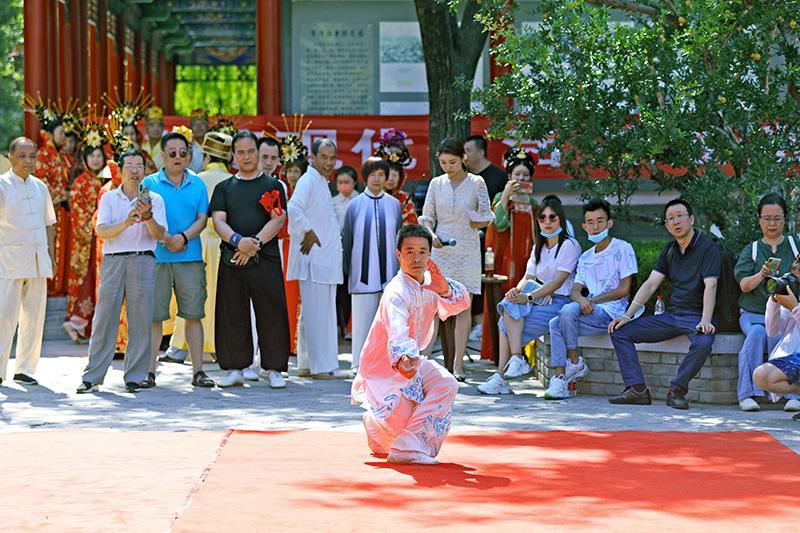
771, 255
527, 309
511, 234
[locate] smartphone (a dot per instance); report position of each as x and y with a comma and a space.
525, 187
774, 264
144, 192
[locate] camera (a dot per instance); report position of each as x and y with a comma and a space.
779, 284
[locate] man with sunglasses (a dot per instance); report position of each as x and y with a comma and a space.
692, 264
179, 256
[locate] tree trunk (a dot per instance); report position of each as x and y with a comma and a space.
451, 53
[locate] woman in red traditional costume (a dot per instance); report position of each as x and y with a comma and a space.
294, 163
511, 234
84, 198
51, 170
393, 149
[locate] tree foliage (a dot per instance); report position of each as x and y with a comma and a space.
12, 83
220, 90
698, 95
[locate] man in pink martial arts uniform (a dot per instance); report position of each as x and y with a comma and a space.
409, 399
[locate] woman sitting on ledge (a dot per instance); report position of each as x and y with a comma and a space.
781, 374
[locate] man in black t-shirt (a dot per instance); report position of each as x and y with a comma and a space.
692, 264
476, 150
476, 157
249, 210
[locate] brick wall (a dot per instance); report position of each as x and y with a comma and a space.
716, 382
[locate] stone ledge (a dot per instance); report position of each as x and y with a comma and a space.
724, 343
715, 383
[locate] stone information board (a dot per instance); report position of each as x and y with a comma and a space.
337, 68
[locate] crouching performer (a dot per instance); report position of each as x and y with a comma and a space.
409, 399
780, 375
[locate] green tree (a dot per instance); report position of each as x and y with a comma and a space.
220, 90
11, 77
699, 95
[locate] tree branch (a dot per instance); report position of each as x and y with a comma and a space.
626, 5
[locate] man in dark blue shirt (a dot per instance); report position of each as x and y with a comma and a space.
692, 265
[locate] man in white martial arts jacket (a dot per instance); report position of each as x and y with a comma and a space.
315, 259
27, 217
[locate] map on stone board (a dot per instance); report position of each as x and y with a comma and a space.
337, 68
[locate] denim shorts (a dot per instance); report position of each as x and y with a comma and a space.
789, 365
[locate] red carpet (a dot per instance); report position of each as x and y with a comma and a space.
326, 481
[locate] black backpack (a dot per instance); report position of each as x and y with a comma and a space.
728, 291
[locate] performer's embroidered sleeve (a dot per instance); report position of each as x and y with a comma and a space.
454, 301
399, 341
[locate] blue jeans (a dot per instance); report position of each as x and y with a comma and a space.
569, 325
537, 319
657, 328
755, 347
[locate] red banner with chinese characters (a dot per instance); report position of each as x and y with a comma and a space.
357, 137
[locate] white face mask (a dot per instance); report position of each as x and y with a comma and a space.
599, 237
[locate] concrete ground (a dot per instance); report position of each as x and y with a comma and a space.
174, 405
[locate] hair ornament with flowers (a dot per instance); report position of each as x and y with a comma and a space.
119, 143
51, 112
392, 147
291, 145
185, 131
127, 110
516, 155
92, 131
225, 125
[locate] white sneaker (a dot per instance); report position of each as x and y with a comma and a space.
516, 367
234, 377
476, 334
576, 371
276, 381
333, 374
557, 389
792, 405
250, 374
494, 385
749, 404
417, 458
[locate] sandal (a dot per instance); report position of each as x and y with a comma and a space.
460, 377
201, 379
149, 382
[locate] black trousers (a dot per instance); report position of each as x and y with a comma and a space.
343, 306
262, 283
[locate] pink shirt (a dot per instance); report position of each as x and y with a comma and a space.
403, 325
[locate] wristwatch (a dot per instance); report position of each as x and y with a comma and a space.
530, 297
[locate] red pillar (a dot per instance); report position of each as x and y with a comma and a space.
51, 43
65, 68
113, 85
35, 13
268, 48
161, 81
79, 47
94, 54
144, 65
169, 93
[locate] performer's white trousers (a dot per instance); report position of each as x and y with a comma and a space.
414, 427
364, 309
23, 302
317, 341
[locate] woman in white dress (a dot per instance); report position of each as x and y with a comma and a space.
456, 207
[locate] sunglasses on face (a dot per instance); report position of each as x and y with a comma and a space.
181, 154
550, 217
